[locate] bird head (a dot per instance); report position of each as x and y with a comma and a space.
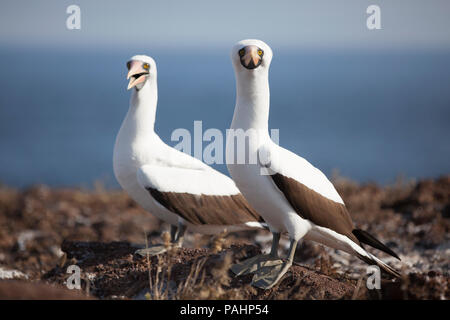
251, 55
140, 69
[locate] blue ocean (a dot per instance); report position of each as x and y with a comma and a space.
373, 116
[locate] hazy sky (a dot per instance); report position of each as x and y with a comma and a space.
207, 23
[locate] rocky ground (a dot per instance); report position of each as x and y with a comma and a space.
43, 231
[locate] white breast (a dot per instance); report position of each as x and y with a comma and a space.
129, 155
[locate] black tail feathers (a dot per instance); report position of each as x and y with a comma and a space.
383, 266
370, 240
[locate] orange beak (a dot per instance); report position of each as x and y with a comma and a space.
137, 74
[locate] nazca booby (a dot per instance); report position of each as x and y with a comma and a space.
292, 195
175, 187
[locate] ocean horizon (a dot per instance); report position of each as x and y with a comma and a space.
373, 116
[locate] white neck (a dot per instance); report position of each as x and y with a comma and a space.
140, 119
252, 100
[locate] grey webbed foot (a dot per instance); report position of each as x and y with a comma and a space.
267, 276
176, 237
152, 250
253, 264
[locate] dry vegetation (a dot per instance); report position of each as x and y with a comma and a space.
45, 230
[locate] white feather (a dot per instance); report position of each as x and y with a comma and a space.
185, 180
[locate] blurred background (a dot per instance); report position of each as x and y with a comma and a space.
373, 104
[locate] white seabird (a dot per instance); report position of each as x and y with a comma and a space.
175, 187
292, 195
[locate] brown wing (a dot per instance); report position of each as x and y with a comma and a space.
311, 205
207, 209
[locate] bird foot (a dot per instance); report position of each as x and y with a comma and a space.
255, 263
268, 276
152, 250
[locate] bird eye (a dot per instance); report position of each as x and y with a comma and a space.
146, 66
260, 52
241, 52
128, 65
